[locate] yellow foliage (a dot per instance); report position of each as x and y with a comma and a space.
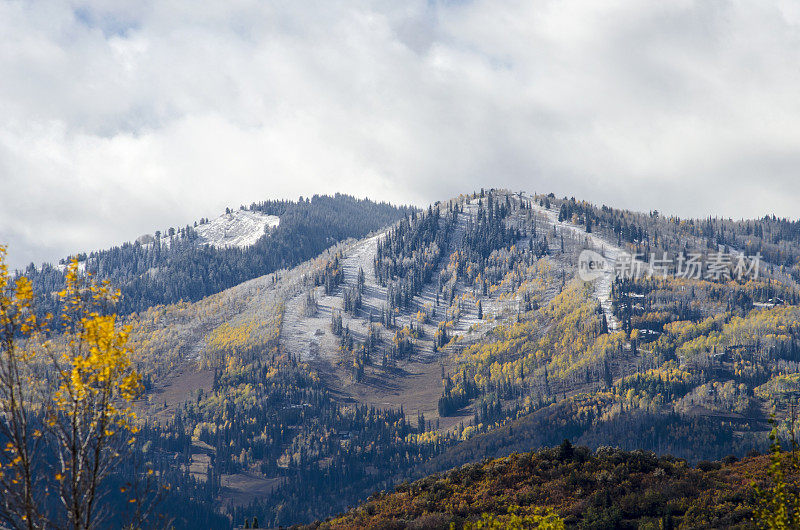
96, 378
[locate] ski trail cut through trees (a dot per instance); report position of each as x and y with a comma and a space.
611, 252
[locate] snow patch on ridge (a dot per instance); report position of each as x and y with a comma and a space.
240, 228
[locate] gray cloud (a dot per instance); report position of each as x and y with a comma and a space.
116, 121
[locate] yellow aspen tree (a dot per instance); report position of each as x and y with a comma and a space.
90, 416
19, 498
779, 505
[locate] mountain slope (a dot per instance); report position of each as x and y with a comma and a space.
544, 362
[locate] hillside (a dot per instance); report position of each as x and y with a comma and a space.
551, 356
383, 347
607, 488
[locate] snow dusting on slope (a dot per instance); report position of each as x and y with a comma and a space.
240, 228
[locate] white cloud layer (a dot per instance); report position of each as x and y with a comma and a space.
119, 118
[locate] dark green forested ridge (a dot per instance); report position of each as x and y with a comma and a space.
158, 273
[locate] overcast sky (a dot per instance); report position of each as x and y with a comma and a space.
117, 121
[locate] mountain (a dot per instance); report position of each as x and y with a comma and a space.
355, 346
191, 262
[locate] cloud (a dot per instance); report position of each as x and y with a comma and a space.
120, 120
